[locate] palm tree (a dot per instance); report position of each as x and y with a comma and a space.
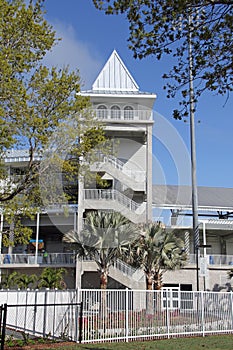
52, 278
105, 238
24, 281
157, 251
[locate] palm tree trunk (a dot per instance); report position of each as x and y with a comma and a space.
103, 303
103, 279
158, 286
149, 281
149, 294
158, 280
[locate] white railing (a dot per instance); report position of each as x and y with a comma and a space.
121, 315
70, 258
124, 268
220, 260
115, 115
31, 259
136, 175
60, 207
111, 195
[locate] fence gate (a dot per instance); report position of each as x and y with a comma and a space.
56, 321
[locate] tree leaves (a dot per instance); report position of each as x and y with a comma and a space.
42, 115
161, 28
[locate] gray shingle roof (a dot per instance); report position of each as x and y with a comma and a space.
180, 197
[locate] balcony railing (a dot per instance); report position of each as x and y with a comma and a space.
30, 259
214, 260
111, 195
127, 115
64, 259
136, 175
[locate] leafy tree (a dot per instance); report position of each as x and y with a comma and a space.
156, 251
52, 278
42, 115
172, 27
105, 238
25, 281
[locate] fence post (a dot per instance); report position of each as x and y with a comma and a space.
167, 313
4, 326
80, 323
45, 313
35, 312
127, 315
202, 314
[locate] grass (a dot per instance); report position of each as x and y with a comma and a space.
216, 342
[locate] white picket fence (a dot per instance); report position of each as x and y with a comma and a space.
120, 315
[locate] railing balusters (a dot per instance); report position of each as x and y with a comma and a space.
112, 195
108, 114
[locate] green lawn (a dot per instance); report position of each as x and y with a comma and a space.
217, 342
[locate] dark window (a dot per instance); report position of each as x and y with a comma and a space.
128, 112
115, 112
101, 112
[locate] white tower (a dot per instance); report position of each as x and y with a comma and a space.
128, 118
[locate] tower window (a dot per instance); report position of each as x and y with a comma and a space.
128, 112
115, 112
102, 112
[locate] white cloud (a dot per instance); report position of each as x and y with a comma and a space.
75, 53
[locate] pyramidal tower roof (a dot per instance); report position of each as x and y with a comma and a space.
115, 77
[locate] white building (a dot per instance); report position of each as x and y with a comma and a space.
127, 114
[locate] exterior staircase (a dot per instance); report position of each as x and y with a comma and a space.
135, 179
117, 201
120, 271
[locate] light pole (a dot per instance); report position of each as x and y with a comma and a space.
193, 151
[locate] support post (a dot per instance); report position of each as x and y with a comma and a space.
37, 235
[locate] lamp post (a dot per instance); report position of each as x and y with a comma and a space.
193, 151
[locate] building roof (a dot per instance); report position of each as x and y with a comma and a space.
115, 76
115, 79
18, 155
180, 197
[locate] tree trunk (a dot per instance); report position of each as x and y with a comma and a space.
103, 279
158, 280
149, 281
103, 303
149, 294
158, 286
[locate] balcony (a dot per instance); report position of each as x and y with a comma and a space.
69, 259
214, 260
30, 260
123, 115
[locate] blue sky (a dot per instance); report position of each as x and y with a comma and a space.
89, 37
